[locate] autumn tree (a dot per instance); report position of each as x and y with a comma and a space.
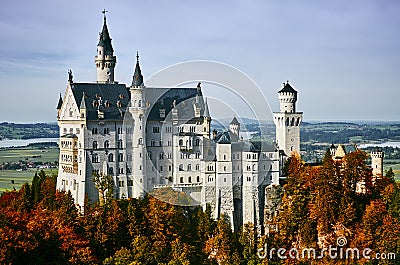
105, 185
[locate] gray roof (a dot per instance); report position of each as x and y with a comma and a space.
288, 88
223, 138
182, 98
105, 40
112, 99
60, 102
137, 79
235, 121
248, 146
69, 135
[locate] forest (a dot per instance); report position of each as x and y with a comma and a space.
320, 205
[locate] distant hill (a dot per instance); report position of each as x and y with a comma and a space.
28, 131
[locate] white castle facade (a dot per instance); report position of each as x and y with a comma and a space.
147, 138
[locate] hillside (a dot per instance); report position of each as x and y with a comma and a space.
28, 131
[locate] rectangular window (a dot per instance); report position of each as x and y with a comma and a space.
130, 182
156, 129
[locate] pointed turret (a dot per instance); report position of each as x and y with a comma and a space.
60, 102
105, 59
105, 40
83, 103
82, 107
137, 80
235, 121
234, 129
206, 110
59, 105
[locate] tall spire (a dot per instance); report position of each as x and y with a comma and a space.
105, 60
206, 110
83, 103
105, 40
60, 102
137, 75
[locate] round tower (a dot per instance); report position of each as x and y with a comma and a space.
287, 98
377, 163
288, 121
234, 128
105, 60
138, 111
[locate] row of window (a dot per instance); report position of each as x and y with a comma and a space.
189, 142
189, 167
189, 179
106, 144
153, 143
68, 158
156, 129
71, 130
120, 158
191, 129
107, 130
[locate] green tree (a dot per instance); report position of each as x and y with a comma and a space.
105, 185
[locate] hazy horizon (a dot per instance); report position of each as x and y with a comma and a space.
342, 57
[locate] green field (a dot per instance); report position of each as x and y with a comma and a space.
19, 177
30, 153
396, 170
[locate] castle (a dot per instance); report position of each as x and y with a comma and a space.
152, 137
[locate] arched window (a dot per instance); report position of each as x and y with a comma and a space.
161, 155
189, 167
190, 179
181, 167
94, 131
197, 167
106, 144
180, 142
120, 157
198, 179
95, 158
197, 142
181, 180
110, 158
111, 171
287, 121
94, 144
120, 144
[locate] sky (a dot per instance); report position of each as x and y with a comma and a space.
342, 56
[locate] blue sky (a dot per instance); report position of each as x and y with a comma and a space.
342, 56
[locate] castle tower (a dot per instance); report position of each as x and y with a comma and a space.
224, 181
288, 121
138, 110
105, 60
377, 163
207, 120
234, 128
59, 105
